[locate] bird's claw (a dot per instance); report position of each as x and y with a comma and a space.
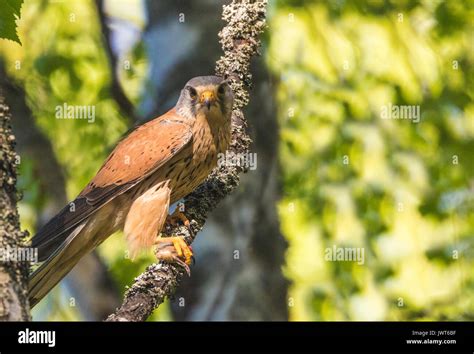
174, 250
184, 265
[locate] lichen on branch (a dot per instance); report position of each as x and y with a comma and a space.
13, 273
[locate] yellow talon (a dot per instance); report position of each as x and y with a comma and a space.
177, 246
188, 253
174, 250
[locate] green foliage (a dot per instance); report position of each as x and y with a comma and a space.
8, 16
63, 61
400, 190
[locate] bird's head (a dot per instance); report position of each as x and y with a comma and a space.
210, 95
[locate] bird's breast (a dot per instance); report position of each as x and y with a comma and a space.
197, 162
190, 167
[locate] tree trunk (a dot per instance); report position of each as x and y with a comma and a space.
13, 274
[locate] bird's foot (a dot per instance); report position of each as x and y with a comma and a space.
178, 216
174, 250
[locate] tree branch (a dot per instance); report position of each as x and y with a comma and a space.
239, 39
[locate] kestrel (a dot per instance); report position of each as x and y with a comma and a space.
156, 165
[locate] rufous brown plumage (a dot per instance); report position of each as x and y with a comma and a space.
156, 165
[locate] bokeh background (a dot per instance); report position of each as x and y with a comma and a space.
331, 171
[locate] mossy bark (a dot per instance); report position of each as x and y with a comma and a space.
13, 273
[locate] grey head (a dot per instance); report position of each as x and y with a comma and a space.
210, 95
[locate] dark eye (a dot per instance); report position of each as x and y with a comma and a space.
221, 89
192, 92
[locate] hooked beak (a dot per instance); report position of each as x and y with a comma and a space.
207, 98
